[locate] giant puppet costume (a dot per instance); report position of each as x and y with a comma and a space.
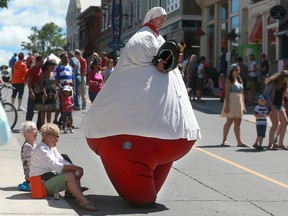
142, 120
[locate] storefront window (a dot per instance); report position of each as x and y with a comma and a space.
211, 13
235, 6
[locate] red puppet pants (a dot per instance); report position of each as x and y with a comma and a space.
138, 166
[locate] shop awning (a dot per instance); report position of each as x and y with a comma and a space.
256, 34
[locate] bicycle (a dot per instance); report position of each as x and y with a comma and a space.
10, 110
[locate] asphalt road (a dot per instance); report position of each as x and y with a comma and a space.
210, 180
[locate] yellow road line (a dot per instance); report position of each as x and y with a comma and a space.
244, 168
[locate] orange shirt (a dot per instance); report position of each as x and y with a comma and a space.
19, 73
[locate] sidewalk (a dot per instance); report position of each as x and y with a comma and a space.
15, 202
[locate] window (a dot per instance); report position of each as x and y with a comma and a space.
224, 11
235, 6
172, 5
211, 13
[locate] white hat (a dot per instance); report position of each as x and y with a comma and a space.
154, 13
67, 88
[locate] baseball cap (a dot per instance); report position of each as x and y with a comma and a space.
67, 88
262, 97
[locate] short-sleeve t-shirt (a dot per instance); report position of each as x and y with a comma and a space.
64, 73
19, 73
34, 74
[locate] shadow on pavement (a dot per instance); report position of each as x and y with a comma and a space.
113, 205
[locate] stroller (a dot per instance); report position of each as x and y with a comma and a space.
5, 75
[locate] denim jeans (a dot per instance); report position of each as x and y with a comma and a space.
77, 91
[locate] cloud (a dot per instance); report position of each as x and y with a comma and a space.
21, 15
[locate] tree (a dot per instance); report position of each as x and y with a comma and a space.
4, 3
49, 39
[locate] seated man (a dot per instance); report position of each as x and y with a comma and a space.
55, 171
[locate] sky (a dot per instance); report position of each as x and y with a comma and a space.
21, 15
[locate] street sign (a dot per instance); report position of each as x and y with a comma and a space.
278, 12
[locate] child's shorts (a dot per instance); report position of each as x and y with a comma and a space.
66, 114
261, 130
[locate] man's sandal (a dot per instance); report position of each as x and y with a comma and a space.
88, 206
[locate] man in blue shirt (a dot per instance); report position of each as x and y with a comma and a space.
12, 62
75, 64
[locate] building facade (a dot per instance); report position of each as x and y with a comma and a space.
243, 27
75, 8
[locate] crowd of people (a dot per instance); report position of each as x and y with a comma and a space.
46, 79
239, 86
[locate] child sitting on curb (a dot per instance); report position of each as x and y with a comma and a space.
260, 112
29, 132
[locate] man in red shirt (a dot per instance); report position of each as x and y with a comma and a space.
33, 86
83, 71
30, 61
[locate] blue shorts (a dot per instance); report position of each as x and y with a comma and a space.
261, 130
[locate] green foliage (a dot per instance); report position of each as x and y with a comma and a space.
4, 3
48, 39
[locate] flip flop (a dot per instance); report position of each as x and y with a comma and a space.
225, 145
242, 145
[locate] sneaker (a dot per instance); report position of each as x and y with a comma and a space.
76, 108
261, 148
20, 109
71, 131
65, 131
83, 107
25, 186
256, 146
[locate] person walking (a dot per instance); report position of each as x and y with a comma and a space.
83, 72
18, 81
261, 112
12, 62
64, 75
276, 86
200, 79
264, 70
67, 108
192, 70
149, 122
253, 77
46, 103
34, 89
234, 105
75, 64
96, 81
